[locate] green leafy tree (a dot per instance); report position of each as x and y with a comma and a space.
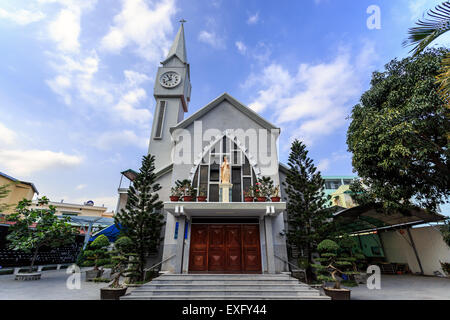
123, 262
424, 33
308, 222
142, 220
4, 190
334, 262
96, 254
398, 136
36, 228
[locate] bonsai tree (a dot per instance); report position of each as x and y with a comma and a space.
123, 263
37, 228
333, 263
97, 253
142, 220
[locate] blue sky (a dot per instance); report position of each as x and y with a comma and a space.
76, 77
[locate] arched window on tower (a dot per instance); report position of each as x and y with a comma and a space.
207, 174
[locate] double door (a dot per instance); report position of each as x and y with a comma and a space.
222, 248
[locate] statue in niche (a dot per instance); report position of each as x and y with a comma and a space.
225, 171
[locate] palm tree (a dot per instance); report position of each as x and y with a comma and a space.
426, 31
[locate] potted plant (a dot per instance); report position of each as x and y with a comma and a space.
122, 265
201, 194
259, 194
265, 189
275, 194
33, 229
333, 265
175, 193
249, 195
96, 255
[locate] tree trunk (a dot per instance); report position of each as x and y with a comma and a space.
34, 259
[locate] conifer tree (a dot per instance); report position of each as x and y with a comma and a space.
308, 222
142, 220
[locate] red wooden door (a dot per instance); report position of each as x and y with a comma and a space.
216, 248
251, 248
225, 248
198, 260
233, 250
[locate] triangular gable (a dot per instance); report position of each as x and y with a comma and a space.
235, 103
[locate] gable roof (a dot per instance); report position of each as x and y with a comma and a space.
235, 103
17, 180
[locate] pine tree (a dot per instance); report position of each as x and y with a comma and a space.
308, 222
142, 220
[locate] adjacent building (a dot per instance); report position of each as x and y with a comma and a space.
18, 190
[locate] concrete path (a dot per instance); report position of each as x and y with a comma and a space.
52, 286
405, 287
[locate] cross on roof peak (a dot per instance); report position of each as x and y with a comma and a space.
182, 21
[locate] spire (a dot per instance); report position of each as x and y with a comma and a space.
179, 46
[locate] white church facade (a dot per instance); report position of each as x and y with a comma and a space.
224, 234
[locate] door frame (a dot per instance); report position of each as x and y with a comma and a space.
261, 260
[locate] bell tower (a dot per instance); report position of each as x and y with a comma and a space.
172, 93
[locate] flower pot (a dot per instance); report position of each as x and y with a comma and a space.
337, 294
275, 199
187, 198
92, 274
174, 198
112, 293
248, 199
201, 198
28, 276
261, 199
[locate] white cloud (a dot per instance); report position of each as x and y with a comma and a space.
323, 165
80, 187
7, 136
114, 139
22, 17
65, 30
25, 162
253, 19
316, 97
211, 38
242, 48
148, 27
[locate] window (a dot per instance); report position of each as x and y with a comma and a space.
160, 120
207, 176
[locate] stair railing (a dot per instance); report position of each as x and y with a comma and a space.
157, 264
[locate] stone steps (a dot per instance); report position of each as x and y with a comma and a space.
224, 287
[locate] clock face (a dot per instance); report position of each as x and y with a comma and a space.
170, 79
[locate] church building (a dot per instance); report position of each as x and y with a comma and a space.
223, 149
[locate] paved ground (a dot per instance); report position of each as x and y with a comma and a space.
405, 287
52, 286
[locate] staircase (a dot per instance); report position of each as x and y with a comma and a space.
224, 287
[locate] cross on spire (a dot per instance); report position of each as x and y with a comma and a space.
182, 21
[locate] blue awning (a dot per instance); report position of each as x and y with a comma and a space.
111, 232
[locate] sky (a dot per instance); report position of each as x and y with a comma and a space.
77, 76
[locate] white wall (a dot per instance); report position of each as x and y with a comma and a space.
429, 244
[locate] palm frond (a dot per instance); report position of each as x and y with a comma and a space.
430, 28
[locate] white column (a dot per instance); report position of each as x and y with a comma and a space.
269, 245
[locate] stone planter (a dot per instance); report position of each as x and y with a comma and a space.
201, 198
174, 198
248, 199
261, 199
187, 198
337, 294
275, 199
112, 293
92, 274
28, 276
